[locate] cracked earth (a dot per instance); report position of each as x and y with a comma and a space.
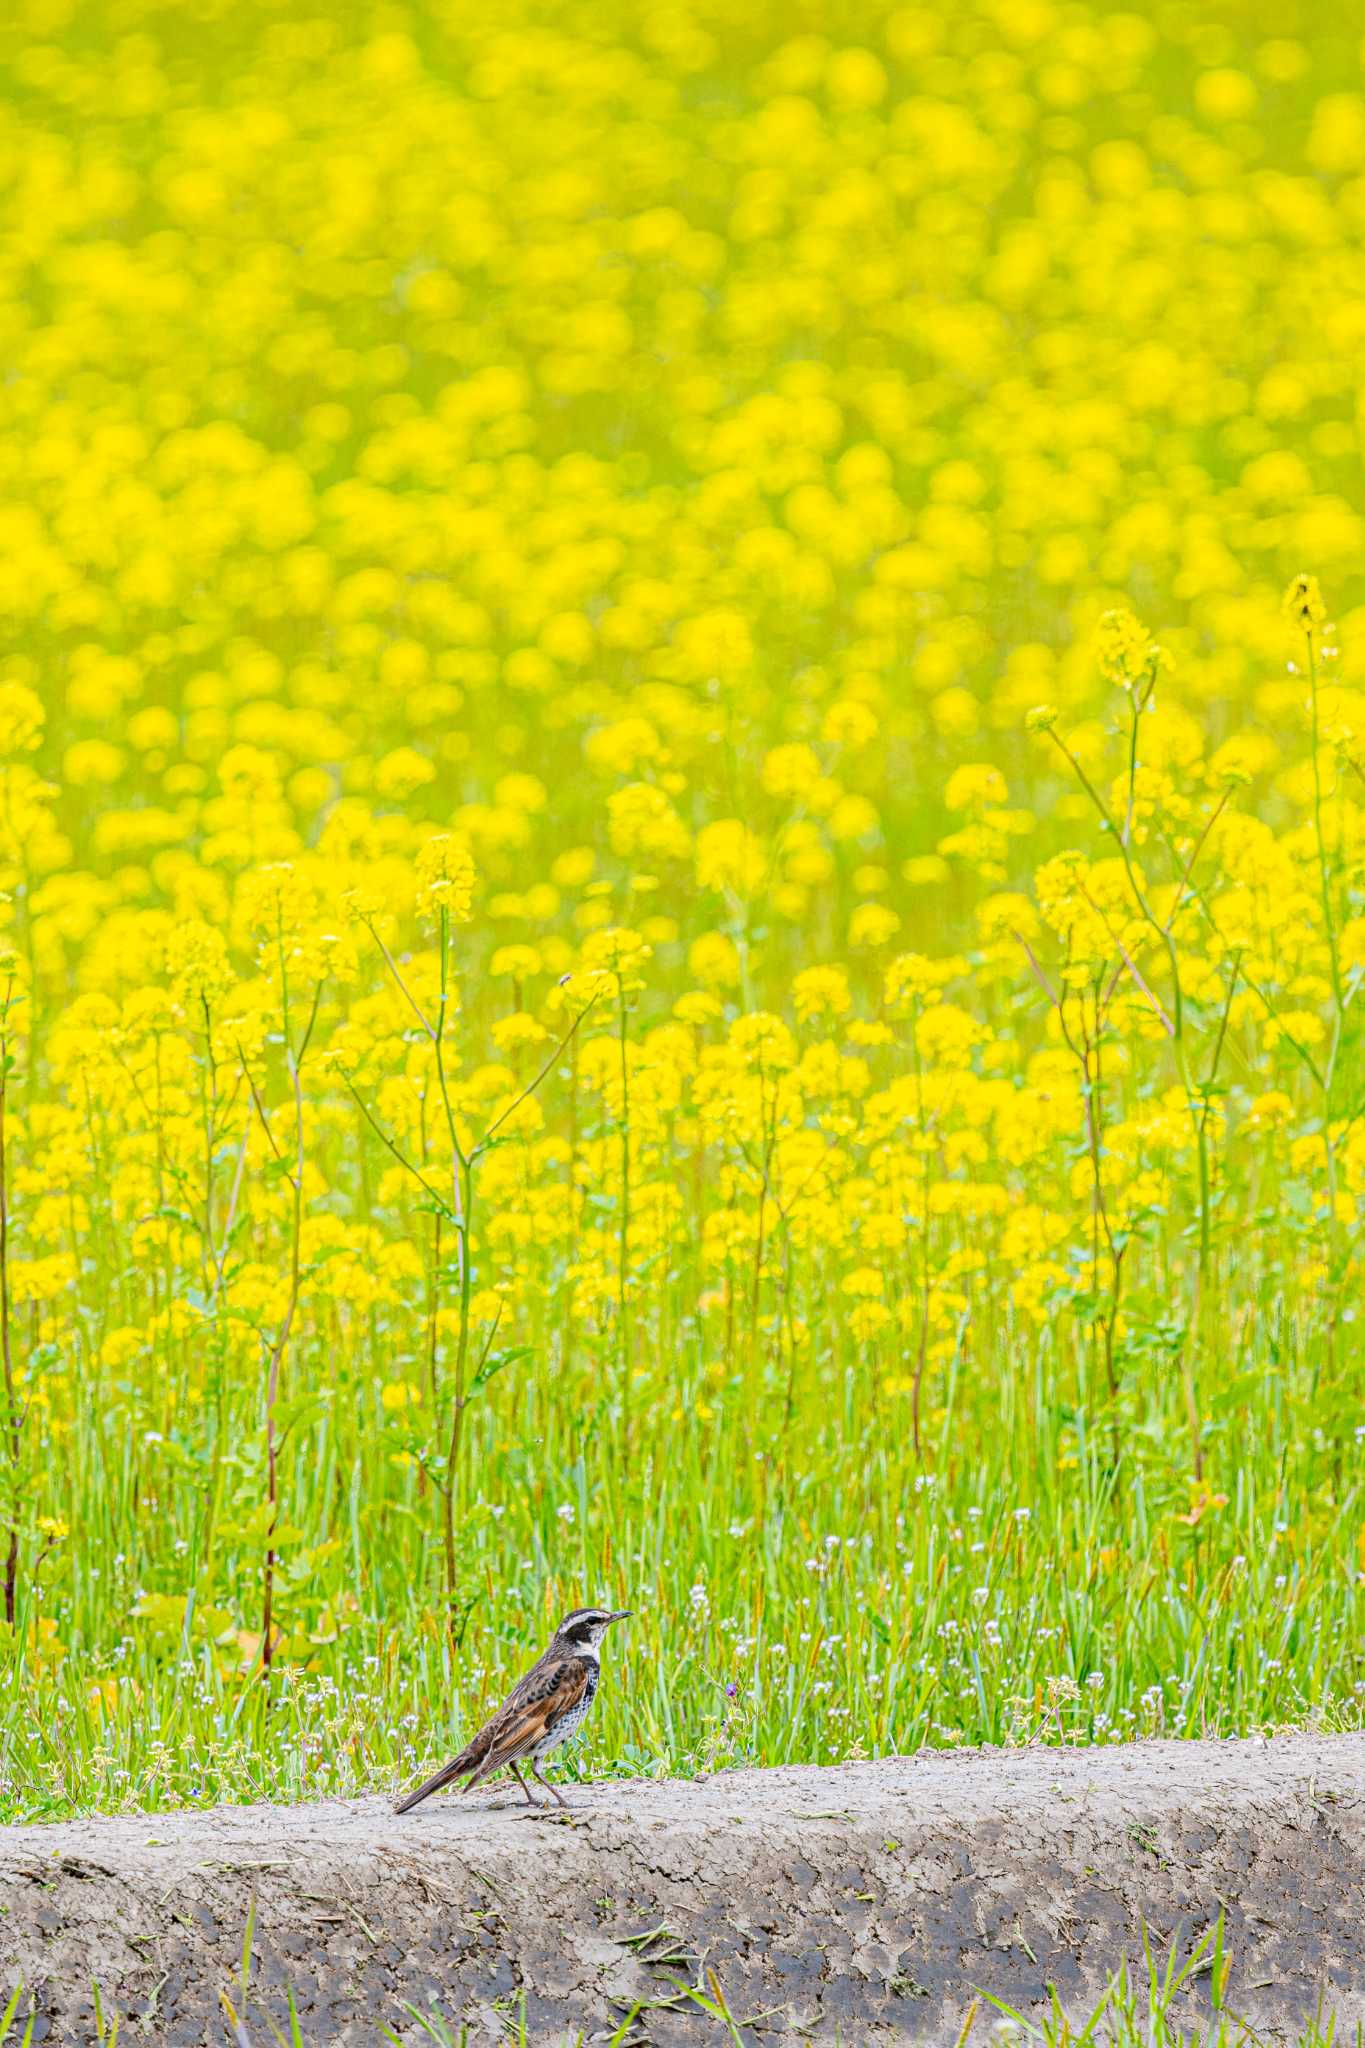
862, 1905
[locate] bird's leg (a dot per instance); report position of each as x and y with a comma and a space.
523, 1784
554, 1789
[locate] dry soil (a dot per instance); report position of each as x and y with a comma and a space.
866, 1904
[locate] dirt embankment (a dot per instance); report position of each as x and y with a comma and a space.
860, 1905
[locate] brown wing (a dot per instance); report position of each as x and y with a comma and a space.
543, 1696
546, 1692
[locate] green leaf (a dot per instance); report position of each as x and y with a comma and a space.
495, 1362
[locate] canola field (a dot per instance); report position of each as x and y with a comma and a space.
682, 810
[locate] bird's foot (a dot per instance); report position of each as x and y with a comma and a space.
553, 1791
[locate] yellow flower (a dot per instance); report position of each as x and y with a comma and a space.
572, 869
403, 771
864, 1281
849, 723
714, 960
617, 953
1303, 605
698, 1007
445, 877
197, 957
971, 787
516, 962
643, 821
763, 1041
821, 992
518, 1033
913, 978
729, 856
790, 771
22, 719
868, 1319
1125, 650
872, 924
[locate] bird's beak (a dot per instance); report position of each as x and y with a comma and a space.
623, 1614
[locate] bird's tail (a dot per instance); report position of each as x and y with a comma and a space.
446, 1774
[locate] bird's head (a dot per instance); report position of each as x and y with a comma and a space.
586, 1626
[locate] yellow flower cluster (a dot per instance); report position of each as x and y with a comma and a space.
578, 774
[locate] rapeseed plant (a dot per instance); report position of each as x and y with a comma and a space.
680, 911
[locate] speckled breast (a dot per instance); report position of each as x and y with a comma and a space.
569, 1724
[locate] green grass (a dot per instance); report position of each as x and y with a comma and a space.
1140, 2007
800, 1597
